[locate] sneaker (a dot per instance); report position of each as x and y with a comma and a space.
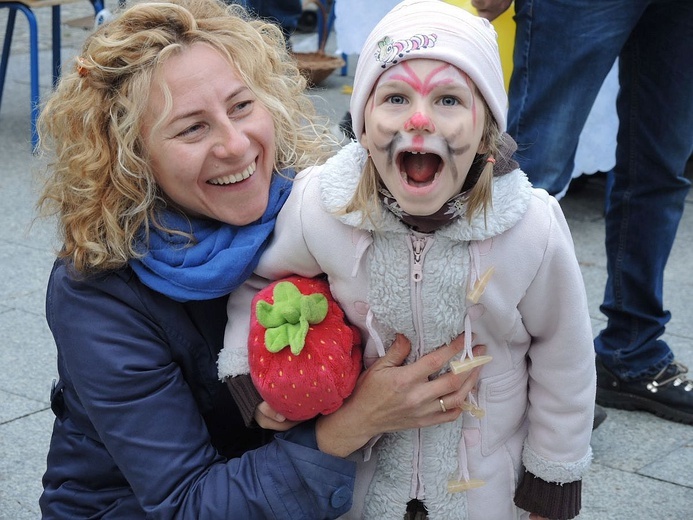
668, 395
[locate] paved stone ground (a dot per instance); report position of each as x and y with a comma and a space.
643, 466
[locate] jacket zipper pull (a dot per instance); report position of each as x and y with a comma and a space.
418, 245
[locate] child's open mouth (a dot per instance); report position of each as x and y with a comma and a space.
419, 169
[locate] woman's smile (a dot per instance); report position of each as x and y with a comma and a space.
233, 178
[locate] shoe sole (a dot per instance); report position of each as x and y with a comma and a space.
631, 402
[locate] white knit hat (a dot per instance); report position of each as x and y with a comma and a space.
435, 30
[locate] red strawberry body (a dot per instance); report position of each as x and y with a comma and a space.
314, 365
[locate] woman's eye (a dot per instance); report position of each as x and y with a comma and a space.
449, 101
241, 107
191, 130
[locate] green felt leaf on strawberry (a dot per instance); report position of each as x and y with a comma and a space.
287, 319
321, 367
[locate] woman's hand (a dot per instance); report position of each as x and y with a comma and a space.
391, 397
491, 9
267, 418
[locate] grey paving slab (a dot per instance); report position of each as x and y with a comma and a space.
630, 441
23, 448
675, 467
14, 406
30, 267
20, 185
612, 494
28, 356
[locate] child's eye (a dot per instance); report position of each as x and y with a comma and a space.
449, 101
396, 99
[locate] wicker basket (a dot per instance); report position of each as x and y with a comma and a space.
317, 66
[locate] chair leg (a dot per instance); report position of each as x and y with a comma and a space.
33, 54
33, 72
57, 41
33, 68
56, 44
6, 48
33, 61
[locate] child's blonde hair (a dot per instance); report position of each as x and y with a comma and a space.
100, 183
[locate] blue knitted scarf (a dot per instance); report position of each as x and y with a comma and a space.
222, 257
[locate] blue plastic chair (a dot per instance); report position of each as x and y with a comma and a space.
27, 7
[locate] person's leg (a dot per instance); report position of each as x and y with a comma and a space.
563, 51
655, 140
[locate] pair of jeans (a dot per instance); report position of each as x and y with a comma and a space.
563, 51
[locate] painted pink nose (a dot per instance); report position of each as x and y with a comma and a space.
419, 122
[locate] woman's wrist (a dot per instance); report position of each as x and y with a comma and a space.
337, 435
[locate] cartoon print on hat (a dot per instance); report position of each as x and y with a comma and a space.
390, 51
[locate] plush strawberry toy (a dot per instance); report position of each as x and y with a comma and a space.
304, 358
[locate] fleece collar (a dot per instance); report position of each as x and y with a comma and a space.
340, 176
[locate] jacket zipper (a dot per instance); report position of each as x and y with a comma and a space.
418, 246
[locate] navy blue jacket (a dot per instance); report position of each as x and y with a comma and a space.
144, 428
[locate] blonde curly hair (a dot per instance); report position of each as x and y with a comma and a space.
99, 183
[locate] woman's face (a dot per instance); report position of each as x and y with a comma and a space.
424, 122
213, 155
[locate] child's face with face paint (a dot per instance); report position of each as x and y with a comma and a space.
424, 122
